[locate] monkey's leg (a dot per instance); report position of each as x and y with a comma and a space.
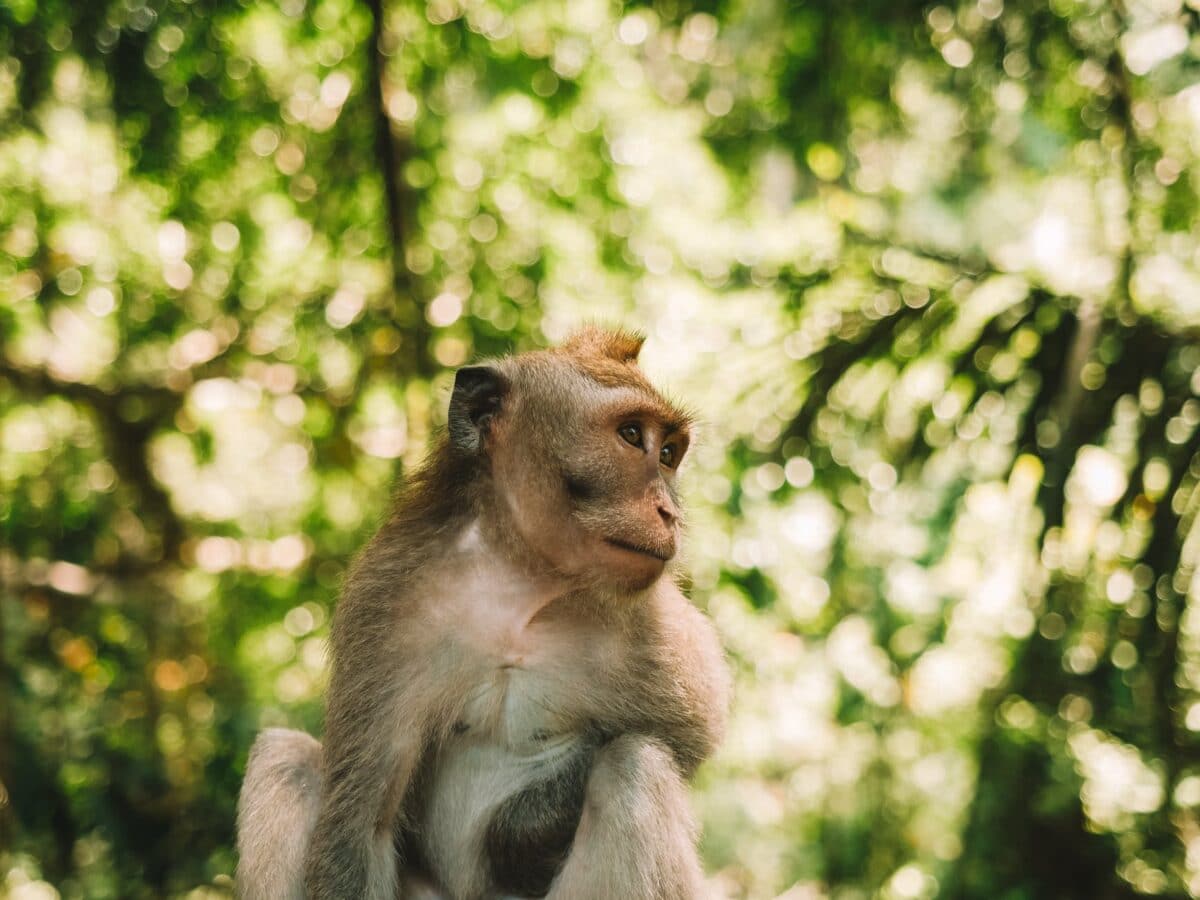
277, 810
636, 839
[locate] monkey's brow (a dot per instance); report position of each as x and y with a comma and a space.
677, 421
672, 419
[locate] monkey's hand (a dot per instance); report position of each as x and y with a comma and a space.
418, 887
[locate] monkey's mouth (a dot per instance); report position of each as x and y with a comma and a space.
654, 552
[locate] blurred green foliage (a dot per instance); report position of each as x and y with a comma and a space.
930, 273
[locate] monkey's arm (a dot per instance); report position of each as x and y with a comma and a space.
380, 717
636, 838
371, 750
688, 698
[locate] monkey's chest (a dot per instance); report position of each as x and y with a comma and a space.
513, 709
531, 684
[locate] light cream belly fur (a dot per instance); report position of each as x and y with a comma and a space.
507, 740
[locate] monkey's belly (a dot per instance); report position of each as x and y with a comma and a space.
497, 820
531, 833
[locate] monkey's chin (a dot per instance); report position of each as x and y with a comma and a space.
632, 566
662, 555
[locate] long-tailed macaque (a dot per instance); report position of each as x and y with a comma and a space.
519, 691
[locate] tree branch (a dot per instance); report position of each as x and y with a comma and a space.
391, 152
125, 441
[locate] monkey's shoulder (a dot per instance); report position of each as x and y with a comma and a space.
672, 618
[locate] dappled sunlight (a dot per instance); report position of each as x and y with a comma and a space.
928, 278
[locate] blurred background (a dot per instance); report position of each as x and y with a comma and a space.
930, 274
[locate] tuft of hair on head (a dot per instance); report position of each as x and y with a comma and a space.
609, 343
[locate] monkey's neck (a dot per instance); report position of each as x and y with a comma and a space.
493, 530
503, 573
521, 579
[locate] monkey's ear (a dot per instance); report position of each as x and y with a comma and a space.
475, 401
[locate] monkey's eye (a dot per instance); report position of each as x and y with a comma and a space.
632, 434
669, 456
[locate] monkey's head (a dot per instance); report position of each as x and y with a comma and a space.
582, 453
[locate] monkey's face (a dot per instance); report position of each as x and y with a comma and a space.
582, 452
589, 476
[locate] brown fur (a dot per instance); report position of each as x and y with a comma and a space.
512, 620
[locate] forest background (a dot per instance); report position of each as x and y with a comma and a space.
930, 274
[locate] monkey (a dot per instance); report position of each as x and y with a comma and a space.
519, 690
